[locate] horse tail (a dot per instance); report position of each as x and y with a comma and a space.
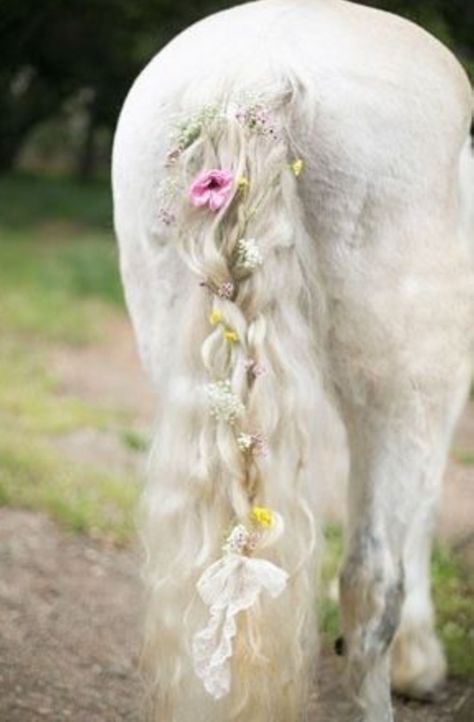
229, 523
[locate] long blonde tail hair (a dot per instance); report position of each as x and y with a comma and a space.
233, 452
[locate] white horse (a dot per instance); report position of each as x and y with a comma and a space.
293, 200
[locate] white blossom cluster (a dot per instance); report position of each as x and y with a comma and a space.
256, 443
258, 118
224, 404
240, 540
248, 255
245, 441
237, 540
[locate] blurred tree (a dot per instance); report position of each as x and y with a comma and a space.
53, 50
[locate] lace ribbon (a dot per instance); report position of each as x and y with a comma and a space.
229, 586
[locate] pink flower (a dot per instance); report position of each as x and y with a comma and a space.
211, 188
226, 290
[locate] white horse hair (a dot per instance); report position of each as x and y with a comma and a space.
340, 260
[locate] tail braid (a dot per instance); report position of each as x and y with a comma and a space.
252, 449
236, 351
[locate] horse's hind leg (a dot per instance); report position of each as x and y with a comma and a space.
417, 660
398, 440
418, 664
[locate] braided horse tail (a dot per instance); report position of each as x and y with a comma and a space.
229, 527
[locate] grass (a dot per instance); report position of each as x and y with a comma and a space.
32, 402
58, 259
60, 286
328, 606
31, 202
57, 290
463, 456
453, 592
135, 440
88, 500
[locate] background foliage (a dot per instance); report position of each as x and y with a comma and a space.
66, 65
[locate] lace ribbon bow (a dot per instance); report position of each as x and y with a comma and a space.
229, 586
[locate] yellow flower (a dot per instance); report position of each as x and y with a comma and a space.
263, 516
231, 336
215, 317
297, 167
243, 183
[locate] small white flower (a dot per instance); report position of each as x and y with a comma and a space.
241, 540
255, 443
245, 441
249, 256
237, 540
224, 404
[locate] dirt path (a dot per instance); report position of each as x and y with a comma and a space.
68, 630
70, 608
69, 634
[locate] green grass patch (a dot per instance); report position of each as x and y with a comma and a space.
58, 259
87, 500
32, 402
58, 290
328, 606
28, 202
60, 285
33, 473
135, 440
453, 592
463, 456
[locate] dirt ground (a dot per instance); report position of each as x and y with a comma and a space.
69, 635
70, 607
